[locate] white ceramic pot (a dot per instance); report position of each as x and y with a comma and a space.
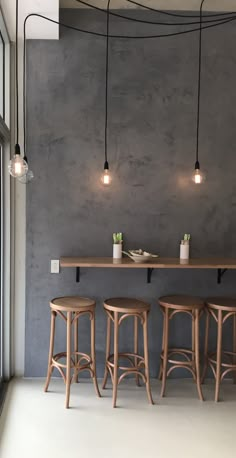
184, 251
117, 250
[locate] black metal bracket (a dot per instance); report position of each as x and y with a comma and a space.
149, 274
220, 273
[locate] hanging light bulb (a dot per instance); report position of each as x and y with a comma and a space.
28, 176
17, 167
106, 176
198, 176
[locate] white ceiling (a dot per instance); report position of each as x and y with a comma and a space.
36, 27
188, 5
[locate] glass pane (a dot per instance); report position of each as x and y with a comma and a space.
1, 77
4, 72
1, 264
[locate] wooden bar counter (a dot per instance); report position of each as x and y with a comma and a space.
220, 264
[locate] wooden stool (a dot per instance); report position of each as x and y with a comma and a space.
70, 309
220, 308
170, 306
117, 310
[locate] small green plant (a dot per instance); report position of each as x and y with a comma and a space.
186, 237
117, 237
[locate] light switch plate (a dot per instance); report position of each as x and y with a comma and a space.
55, 266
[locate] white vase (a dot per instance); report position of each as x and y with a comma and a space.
184, 251
117, 250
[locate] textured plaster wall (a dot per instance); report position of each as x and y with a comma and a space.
152, 127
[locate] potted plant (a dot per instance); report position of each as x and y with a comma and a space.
117, 245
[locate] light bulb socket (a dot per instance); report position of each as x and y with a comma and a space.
197, 165
106, 165
17, 149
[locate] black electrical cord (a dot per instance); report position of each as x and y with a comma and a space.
197, 166
17, 77
98, 34
167, 13
83, 2
24, 87
106, 166
89, 32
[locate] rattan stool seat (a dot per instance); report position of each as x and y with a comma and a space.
228, 304
181, 302
72, 304
126, 305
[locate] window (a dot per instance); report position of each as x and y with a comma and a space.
4, 206
2, 76
1, 331
1, 272
4, 73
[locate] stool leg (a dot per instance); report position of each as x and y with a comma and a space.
93, 355
51, 345
197, 358
136, 346
206, 346
193, 337
76, 349
162, 350
165, 351
234, 345
218, 358
116, 346
146, 359
108, 343
68, 357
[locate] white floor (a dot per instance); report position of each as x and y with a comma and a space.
35, 424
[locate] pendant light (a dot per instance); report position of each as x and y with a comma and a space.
29, 175
106, 176
198, 176
18, 166
24, 179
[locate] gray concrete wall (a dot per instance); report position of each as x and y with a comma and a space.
151, 146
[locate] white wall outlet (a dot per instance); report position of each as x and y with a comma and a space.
55, 266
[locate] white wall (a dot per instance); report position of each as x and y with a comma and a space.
36, 28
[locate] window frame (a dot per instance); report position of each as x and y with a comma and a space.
6, 213
5, 39
3, 76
